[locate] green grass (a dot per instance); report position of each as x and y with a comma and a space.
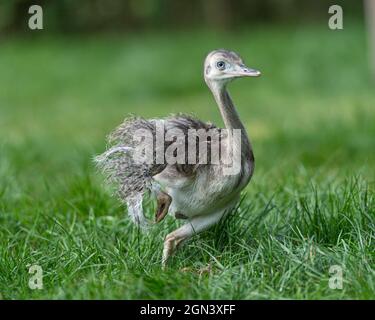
310, 204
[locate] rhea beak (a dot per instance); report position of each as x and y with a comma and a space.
243, 71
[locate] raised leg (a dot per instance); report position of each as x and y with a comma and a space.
163, 202
194, 226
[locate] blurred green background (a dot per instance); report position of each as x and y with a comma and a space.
95, 62
71, 16
64, 88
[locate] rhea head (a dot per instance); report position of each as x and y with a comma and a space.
221, 66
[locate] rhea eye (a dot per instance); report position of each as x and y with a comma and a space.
220, 65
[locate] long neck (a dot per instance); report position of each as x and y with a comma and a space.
228, 111
230, 117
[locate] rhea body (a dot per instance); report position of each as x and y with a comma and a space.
200, 194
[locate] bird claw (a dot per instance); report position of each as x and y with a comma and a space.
171, 243
163, 202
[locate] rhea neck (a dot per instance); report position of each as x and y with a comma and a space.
228, 111
229, 114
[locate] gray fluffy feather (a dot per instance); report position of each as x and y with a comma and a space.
132, 180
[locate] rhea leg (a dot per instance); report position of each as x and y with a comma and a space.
164, 200
194, 226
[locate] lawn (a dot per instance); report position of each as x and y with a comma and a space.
310, 204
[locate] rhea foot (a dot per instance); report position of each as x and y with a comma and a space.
163, 202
